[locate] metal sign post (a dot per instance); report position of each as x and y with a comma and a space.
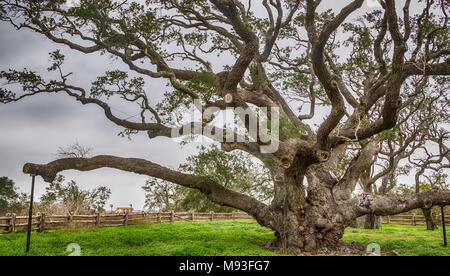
443, 225
33, 171
30, 214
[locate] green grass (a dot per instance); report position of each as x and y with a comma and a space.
218, 238
403, 239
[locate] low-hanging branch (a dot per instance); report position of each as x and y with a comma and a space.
212, 190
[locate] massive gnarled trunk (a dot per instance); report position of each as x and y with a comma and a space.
310, 202
311, 216
307, 218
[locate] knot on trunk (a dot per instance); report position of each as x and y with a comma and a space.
286, 162
322, 155
428, 204
228, 98
290, 150
334, 84
398, 103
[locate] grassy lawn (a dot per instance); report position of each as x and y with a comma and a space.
219, 238
403, 239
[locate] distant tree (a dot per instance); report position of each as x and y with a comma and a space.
8, 195
162, 195
21, 205
74, 150
71, 198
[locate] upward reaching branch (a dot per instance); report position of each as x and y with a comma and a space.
322, 72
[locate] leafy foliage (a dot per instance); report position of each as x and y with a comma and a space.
207, 85
163, 196
70, 198
8, 195
288, 130
116, 82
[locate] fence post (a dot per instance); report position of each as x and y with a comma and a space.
172, 217
414, 219
389, 220
212, 216
70, 218
42, 223
192, 216
158, 215
97, 219
8, 222
12, 222
125, 219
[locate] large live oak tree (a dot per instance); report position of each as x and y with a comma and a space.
281, 50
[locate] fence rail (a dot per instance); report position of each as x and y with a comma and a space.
42, 222
413, 220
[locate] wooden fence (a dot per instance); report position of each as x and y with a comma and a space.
41, 222
413, 220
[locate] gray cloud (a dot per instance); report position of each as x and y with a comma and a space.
31, 130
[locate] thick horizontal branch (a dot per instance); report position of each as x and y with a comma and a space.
384, 206
211, 189
436, 69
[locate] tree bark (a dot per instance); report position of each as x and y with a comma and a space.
367, 222
429, 219
372, 221
358, 222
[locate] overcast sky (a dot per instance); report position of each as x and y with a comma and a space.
33, 129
